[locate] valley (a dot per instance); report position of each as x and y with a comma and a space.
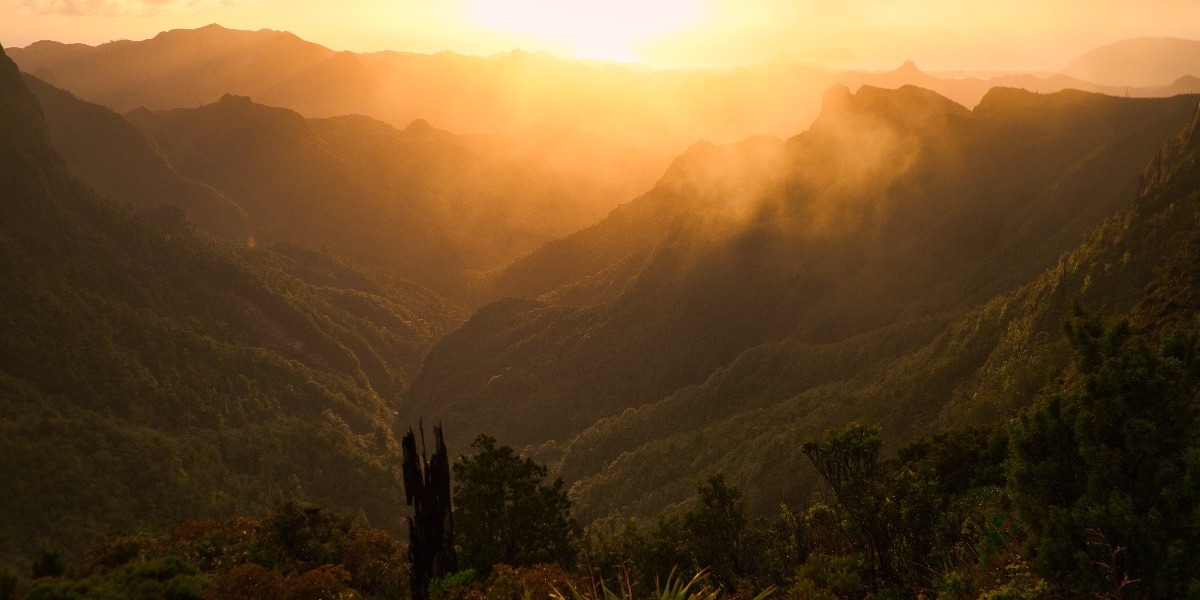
238, 266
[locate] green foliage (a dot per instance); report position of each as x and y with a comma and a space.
1019, 584
714, 536
672, 588
844, 576
447, 586
149, 372
715, 530
166, 578
48, 564
8, 584
505, 583
848, 462
295, 553
273, 373
661, 554
1104, 471
504, 512
931, 519
730, 343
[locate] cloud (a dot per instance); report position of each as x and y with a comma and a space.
112, 8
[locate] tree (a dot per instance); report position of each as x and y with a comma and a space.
912, 516
1105, 471
715, 530
848, 461
504, 512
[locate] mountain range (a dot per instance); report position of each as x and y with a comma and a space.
889, 218
1140, 62
432, 206
660, 111
151, 371
211, 303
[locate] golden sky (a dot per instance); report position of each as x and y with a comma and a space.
1038, 35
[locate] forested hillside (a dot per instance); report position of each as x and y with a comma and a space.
112, 157
211, 310
892, 215
973, 370
430, 205
150, 372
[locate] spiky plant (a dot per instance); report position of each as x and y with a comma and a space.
675, 588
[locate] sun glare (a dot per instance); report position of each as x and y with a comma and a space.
608, 30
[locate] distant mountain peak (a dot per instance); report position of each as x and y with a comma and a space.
1002, 95
1138, 62
235, 100
210, 29
908, 104
44, 44
239, 111
418, 126
908, 68
1009, 100
835, 97
221, 35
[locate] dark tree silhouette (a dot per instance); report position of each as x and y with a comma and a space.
431, 528
848, 461
716, 529
508, 513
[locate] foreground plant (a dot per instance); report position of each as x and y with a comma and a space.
674, 589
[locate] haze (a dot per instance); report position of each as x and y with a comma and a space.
1027, 35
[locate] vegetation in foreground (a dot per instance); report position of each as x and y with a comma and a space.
1092, 491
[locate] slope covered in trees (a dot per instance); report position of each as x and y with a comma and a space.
1089, 491
112, 157
424, 203
895, 212
148, 371
975, 369
419, 201
899, 263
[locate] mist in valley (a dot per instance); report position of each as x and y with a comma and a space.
286, 320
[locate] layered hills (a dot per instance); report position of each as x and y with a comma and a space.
150, 372
111, 156
748, 416
212, 302
654, 111
782, 269
499, 94
1140, 62
429, 205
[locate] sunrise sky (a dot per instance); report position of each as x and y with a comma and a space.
1037, 35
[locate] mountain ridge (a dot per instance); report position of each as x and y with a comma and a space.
947, 373
488, 199
663, 111
816, 259
1139, 62
149, 372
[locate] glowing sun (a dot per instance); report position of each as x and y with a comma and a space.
608, 30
